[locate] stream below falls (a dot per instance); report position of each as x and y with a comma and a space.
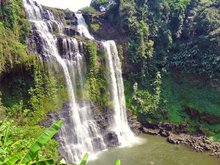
154, 151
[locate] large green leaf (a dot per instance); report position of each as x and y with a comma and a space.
12, 160
44, 162
118, 162
43, 139
84, 160
6, 135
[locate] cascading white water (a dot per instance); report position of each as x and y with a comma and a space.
82, 27
119, 123
79, 133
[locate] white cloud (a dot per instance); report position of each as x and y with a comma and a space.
73, 5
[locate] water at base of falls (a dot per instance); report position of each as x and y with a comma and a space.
155, 151
80, 133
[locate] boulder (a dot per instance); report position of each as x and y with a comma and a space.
111, 139
151, 131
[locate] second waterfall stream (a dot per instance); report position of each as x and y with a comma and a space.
80, 132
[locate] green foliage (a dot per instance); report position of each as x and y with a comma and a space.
143, 102
24, 86
44, 89
133, 20
9, 145
163, 36
12, 160
14, 85
35, 94
13, 31
96, 86
95, 27
160, 36
44, 162
59, 14
118, 162
198, 50
12, 150
47, 94
215, 138
207, 21
85, 159
43, 139
179, 95
2, 108
9, 11
91, 51
89, 11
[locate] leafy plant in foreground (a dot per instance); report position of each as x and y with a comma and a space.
31, 157
85, 159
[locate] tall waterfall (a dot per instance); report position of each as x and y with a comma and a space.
119, 123
80, 132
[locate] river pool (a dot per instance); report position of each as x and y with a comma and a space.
154, 151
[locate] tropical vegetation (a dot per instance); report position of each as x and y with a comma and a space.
170, 50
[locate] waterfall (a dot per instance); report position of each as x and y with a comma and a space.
119, 123
80, 133
82, 26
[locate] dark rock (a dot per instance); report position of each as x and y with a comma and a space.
96, 142
182, 128
167, 126
151, 131
69, 15
111, 139
102, 90
217, 154
133, 123
70, 31
164, 133
198, 143
164, 113
155, 125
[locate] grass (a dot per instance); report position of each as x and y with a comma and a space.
178, 95
215, 137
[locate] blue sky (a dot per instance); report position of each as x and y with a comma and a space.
73, 5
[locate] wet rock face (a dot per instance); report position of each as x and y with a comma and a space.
35, 43
96, 142
58, 22
111, 139
134, 124
102, 118
70, 31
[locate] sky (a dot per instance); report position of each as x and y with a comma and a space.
73, 5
